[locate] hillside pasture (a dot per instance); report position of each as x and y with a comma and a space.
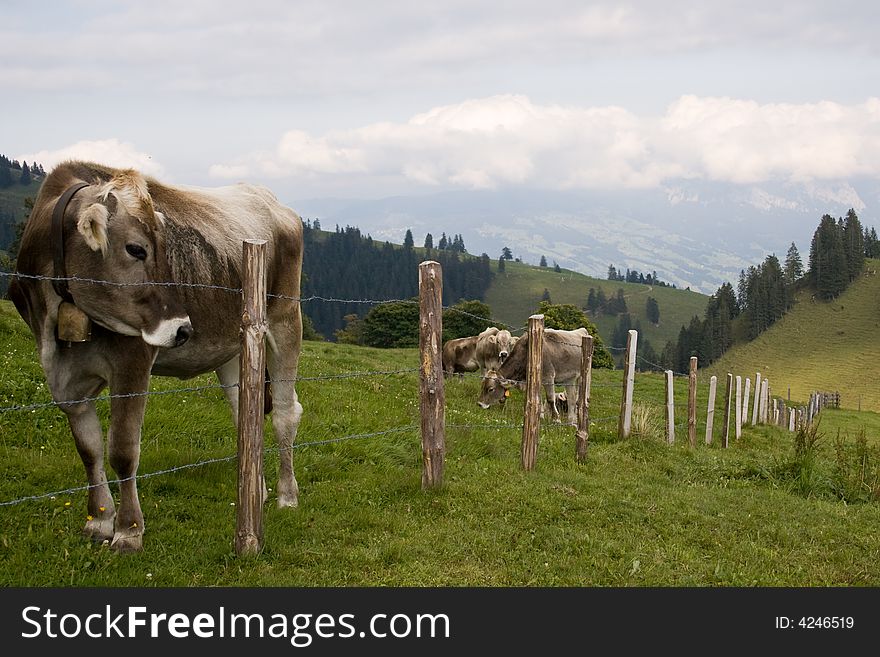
820, 345
637, 513
516, 292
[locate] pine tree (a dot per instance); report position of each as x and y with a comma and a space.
506, 253
592, 301
652, 310
601, 301
543, 261
829, 270
794, 267
556, 267
443, 243
612, 273
25, 175
429, 241
546, 296
408, 239
6, 179
853, 244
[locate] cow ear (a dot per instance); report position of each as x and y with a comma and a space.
92, 225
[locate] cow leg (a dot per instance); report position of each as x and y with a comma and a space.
124, 446
550, 396
89, 438
571, 391
283, 356
228, 375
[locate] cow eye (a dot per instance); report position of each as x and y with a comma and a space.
136, 251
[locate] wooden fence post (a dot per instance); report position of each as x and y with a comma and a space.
532, 416
745, 408
692, 402
582, 436
710, 410
432, 394
737, 420
725, 430
757, 398
252, 382
670, 409
791, 415
765, 398
629, 374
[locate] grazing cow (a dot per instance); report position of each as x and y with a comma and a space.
459, 356
561, 364
493, 346
118, 226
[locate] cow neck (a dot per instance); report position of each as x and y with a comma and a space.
60, 270
514, 366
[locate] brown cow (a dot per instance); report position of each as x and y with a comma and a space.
459, 356
493, 346
561, 364
118, 226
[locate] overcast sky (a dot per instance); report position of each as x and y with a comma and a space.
376, 98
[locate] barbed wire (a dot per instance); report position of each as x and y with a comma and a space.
233, 290
127, 395
197, 464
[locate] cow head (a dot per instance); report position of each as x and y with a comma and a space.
494, 389
504, 342
119, 238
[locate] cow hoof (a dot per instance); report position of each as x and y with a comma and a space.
288, 501
99, 529
127, 542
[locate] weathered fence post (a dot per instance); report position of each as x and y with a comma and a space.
757, 398
765, 400
737, 420
582, 436
791, 415
432, 394
629, 374
745, 408
710, 410
532, 417
252, 382
692, 403
725, 430
670, 409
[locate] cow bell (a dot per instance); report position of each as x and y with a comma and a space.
73, 324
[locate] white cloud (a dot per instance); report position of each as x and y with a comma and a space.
110, 152
509, 140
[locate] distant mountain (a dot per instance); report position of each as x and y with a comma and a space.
693, 234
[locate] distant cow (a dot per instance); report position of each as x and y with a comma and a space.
493, 347
93, 223
561, 365
459, 356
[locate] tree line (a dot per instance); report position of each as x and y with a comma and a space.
13, 172
766, 292
345, 264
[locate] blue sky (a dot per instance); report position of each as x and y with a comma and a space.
369, 99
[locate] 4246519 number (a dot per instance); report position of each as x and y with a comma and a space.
815, 622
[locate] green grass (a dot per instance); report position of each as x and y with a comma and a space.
829, 346
516, 293
637, 513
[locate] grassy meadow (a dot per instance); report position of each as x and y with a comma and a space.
764, 512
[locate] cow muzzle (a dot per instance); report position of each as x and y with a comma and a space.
502, 355
169, 333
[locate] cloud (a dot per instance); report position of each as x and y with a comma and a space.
505, 140
110, 152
